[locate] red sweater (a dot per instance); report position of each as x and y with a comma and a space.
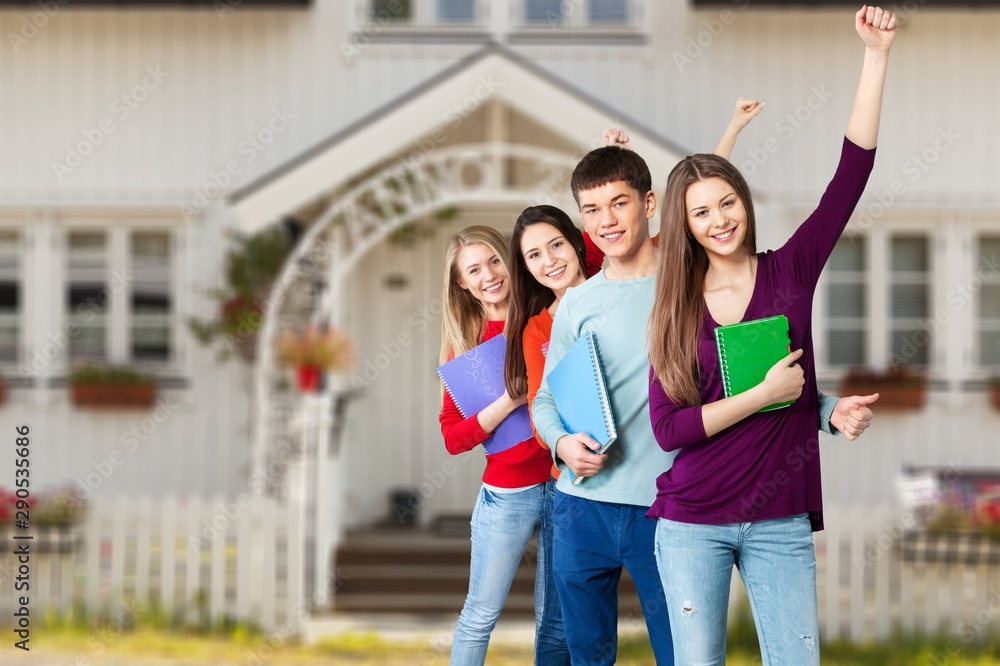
523, 464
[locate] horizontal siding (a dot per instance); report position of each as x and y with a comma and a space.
226, 75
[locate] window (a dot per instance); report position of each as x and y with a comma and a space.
10, 296
909, 299
576, 13
392, 11
608, 12
847, 303
456, 11
544, 12
87, 295
119, 296
878, 300
988, 319
149, 314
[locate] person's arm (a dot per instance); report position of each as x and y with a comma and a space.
463, 434
676, 426
576, 450
746, 110
877, 29
534, 363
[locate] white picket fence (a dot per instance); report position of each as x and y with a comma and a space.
247, 563
188, 555
867, 591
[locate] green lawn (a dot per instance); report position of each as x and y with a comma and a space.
146, 646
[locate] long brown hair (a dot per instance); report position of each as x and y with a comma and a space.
528, 296
675, 323
463, 317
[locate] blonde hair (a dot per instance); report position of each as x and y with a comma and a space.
463, 317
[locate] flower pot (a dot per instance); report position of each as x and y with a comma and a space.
891, 396
112, 396
308, 378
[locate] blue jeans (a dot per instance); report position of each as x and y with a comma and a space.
592, 541
777, 563
502, 524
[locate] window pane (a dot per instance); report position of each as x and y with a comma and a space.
849, 255
910, 346
10, 295
87, 295
544, 11
456, 11
608, 11
847, 300
392, 10
847, 348
989, 301
989, 348
989, 251
910, 253
910, 300
150, 311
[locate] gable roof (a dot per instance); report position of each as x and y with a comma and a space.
493, 71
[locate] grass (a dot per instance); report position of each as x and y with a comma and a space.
151, 638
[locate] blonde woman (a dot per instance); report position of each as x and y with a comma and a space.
517, 490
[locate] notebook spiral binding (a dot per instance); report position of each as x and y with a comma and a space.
605, 403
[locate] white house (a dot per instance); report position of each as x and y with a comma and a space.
135, 136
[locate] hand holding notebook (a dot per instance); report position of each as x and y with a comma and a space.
581, 395
748, 350
475, 380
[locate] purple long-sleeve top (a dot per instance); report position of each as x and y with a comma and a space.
767, 465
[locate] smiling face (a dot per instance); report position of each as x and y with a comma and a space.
550, 258
617, 218
716, 217
482, 273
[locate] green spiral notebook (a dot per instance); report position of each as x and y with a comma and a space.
749, 349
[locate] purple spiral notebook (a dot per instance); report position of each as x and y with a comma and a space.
475, 380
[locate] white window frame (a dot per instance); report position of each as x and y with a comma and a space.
424, 20
119, 226
946, 253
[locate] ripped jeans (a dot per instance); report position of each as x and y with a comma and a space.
777, 563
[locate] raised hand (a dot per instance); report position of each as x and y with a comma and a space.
746, 110
852, 416
617, 137
876, 26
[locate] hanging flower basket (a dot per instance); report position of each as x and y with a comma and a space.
314, 350
308, 377
112, 387
899, 388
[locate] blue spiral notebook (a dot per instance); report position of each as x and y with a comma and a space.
475, 380
581, 394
